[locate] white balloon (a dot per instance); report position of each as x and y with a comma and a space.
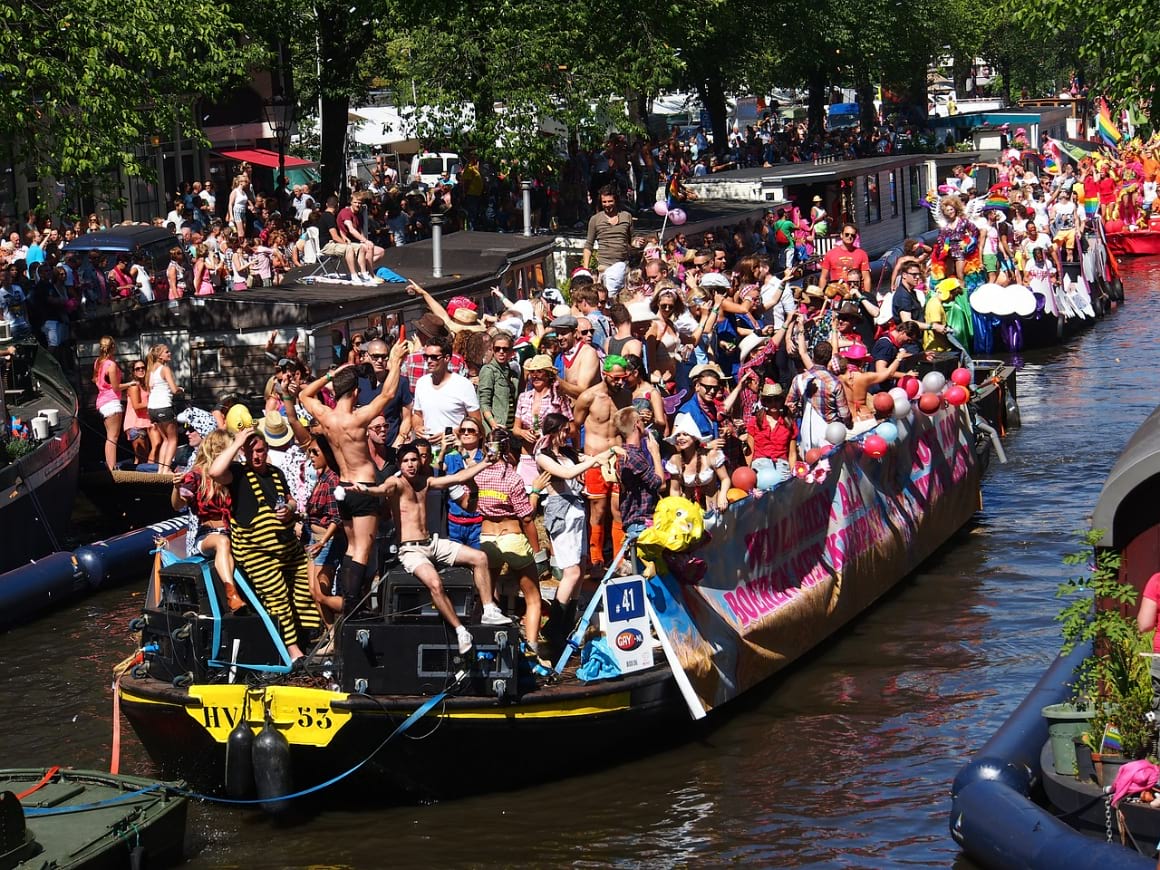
836, 433
933, 382
898, 393
901, 407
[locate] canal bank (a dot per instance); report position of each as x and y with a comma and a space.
847, 760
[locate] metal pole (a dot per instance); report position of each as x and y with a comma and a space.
526, 187
437, 245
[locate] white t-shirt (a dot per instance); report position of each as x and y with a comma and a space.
12, 306
209, 199
445, 406
1039, 277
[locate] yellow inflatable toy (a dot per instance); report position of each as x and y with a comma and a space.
678, 525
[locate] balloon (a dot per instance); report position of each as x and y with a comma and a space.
875, 445
901, 408
883, 404
888, 431
661, 208
928, 403
957, 395
735, 494
744, 478
836, 433
933, 382
677, 216
813, 455
962, 377
911, 385
762, 462
899, 393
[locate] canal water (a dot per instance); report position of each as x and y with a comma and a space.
846, 761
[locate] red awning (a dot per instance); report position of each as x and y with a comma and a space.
264, 157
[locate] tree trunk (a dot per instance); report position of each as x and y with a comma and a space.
868, 115
713, 94
333, 167
816, 111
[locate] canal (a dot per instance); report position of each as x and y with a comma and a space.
846, 761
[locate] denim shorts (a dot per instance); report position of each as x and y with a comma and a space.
330, 556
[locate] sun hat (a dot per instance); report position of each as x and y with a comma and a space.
275, 429
238, 418
465, 317
946, 287
706, 369
814, 292
750, 343
541, 362
817, 198
641, 312
771, 389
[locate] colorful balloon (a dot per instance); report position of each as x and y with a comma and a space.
744, 478
735, 494
928, 403
661, 208
933, 382
677, 216
836, 433
883, 404
770, 477
899, 393
888, 431
957, 395
911, 385
813, 455
962, 377
875, 445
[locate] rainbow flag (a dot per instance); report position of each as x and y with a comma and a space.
1052, 162
1108, 131
1112, 741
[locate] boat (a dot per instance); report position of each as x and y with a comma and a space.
779, 572
88, 820
1134, 243
38, 471
1010, 805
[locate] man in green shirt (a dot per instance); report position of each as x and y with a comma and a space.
497, 386
609, 231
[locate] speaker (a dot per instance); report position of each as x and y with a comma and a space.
183, 637
422, 659
406, 599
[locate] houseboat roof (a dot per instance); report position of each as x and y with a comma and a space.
122, 238
1126, 506
789, 173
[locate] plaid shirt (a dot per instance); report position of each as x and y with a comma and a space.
640, 485
827, 396
501, 493
415, 366
321, 506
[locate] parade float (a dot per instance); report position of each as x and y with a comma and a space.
712, 614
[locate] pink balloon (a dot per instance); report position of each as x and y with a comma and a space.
677, 216
962, 377
875, 445
661, 208
911, 384
956, 395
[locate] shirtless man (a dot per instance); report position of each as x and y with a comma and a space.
856, 381
421, 552
581, 362
594, 411
345, 427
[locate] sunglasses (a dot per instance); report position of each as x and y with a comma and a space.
585, 332
849, 235
138, 368
711, 388
666, 307
432, 357
378, 356
313, 451
377, 428
502, 349
471, 431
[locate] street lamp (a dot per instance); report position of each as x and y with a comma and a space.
280, 118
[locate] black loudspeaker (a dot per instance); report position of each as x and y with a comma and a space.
407, 600
423, 659
182, 637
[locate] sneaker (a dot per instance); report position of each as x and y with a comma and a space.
492, 615
357, 281
466, 641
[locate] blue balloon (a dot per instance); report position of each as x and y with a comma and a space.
888, 431
768, 478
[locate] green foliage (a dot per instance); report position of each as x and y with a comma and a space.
17, 448
88, 82
1115, 679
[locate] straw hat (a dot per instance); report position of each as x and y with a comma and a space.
706, 369
813, 291
275, 429
465, 317
771, 390
817, 198
541, 362
750, 343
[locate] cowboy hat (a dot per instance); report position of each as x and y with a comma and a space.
771, 390
750, 343
541, 362
704, 369
856, 352
465, 317
275, 429
946, 287
814, 292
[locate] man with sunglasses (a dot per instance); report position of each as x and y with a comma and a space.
846, 262
398, 410
345, 426
577, 363
906, 304
708, 382
443, 399
498, 385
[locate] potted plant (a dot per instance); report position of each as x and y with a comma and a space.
1114, 681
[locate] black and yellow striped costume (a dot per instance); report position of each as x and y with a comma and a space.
271, 558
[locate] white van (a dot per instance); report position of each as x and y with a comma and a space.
428, 167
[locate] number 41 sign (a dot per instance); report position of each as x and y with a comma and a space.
628, 624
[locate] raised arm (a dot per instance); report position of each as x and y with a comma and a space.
376, 406
433, 304
461, 476
221, 469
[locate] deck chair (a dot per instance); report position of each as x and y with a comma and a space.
325, 266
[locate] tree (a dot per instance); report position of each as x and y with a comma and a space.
87, 82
